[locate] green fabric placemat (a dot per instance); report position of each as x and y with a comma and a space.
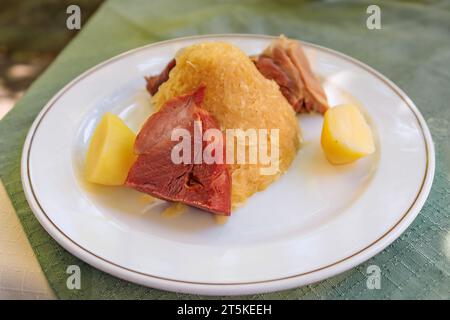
412, 49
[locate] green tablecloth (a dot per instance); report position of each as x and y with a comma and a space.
412, 49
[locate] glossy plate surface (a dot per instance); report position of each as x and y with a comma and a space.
314, 222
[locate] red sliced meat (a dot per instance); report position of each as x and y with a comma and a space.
285, 62
154, 82
205, 186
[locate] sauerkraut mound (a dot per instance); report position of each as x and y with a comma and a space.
238, 96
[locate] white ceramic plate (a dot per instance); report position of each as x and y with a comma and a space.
316, 221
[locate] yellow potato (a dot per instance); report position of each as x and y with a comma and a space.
110, 154
346, 136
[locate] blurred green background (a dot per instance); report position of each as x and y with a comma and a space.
32, 33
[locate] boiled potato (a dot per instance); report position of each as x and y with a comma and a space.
110, 154
346, 136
